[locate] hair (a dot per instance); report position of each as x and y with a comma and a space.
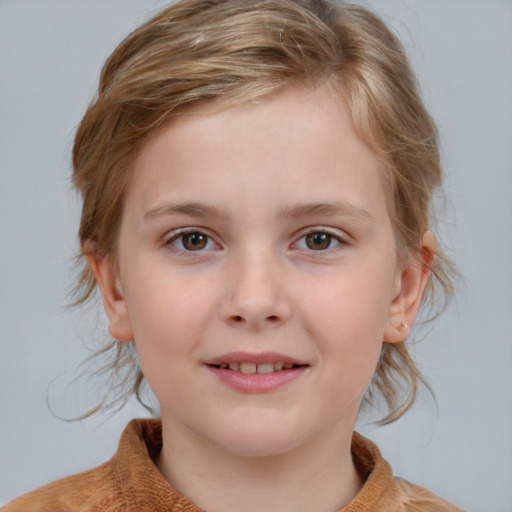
235, 51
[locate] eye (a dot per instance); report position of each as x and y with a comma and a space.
318, 241
191, 241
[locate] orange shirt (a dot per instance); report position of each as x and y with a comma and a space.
131, 482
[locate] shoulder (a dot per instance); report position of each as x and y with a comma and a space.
91, 490
129, 481
418, 499
384, 492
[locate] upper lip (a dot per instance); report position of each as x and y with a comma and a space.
247, 357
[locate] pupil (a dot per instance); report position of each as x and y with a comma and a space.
318, 241
194, 241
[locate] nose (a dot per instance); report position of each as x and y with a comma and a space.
255, 297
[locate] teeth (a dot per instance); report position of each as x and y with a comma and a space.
265, 368
247, 367
256, 368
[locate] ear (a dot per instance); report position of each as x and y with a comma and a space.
410, 286
112, 295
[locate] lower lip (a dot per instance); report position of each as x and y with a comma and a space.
257, 382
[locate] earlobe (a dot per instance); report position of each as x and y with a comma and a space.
411, 284
113, 299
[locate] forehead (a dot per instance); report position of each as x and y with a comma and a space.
298, 141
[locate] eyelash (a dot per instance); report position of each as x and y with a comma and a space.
341, 242
179, 235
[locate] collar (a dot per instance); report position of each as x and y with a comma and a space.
138, 477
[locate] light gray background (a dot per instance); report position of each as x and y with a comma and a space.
50, 56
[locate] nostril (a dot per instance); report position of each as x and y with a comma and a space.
242, 319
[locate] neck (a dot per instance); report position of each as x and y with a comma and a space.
318, 476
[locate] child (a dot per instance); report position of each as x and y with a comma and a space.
256, 181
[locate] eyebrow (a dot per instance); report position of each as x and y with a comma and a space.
330, 209
191, 209
298, 211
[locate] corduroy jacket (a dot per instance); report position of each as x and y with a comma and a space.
131, 482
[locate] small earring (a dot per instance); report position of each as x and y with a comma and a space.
405, 325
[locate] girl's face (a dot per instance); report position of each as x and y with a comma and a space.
257, 272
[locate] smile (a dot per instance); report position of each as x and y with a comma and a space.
261, 368
256, 373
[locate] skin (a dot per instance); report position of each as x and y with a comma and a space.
256, 175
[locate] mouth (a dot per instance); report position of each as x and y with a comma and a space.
256, 373
259, 368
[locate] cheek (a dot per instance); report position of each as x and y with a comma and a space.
168, 318
348, 311
347, 317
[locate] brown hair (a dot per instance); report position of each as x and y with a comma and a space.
234, 51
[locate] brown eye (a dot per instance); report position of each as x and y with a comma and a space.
318, 241
194, 241
191, 241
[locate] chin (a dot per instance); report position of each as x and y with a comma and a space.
257, 439
260, 447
